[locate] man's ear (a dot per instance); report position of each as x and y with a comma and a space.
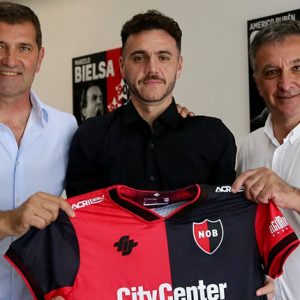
40, 59
122, 66
257, 82
179, 67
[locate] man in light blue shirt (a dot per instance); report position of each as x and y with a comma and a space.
34, 141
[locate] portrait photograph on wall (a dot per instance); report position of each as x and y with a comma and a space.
97, 84
258, 109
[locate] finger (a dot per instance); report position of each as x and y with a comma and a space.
240, 180
263, 197
47, 215
60, 202
37, 222
184, 112
268, 288
254, 189
67, 208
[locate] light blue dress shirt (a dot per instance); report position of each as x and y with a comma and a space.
38, 164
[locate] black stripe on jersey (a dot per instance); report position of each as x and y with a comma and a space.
275, 252
19, 262
45, 253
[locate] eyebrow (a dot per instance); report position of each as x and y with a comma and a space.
146, 52
19, 43
295, 61
292, 62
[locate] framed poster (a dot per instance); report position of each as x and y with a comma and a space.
258, 109
97, 84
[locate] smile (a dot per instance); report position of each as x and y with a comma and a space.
9, 73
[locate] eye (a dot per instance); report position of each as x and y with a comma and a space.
164, 57
25, 48
139, 58
270, 73
296, 68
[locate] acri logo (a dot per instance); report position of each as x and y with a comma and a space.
87, 202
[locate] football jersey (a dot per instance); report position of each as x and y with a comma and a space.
213, 245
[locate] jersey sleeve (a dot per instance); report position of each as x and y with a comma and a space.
46, 259
275, 238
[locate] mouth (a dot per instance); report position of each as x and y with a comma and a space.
9, 73
287, 96
153, 81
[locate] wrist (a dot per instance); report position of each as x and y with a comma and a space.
5, 229
295, 201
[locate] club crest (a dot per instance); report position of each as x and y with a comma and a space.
208, 235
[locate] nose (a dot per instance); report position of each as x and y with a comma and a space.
151, 66
9, 58
286, 81
99, 99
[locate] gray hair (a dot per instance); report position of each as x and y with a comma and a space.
276, 32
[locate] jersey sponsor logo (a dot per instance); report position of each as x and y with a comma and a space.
87, 202
278, 224
125, 245
226, 189
208, 235
165, 291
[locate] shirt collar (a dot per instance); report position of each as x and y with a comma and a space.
39, 110
293, 135
170, 117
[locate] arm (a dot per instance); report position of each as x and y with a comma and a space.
263, 184
38, 211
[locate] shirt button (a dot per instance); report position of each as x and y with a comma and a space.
152, 178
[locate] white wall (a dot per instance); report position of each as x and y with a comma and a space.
215, 78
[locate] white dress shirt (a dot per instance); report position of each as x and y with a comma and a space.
261, 149
38, 164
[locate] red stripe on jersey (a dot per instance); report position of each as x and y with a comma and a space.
137, 248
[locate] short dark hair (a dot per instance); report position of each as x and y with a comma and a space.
152, 19
276, 32
13, 13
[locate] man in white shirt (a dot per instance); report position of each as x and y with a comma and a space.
34, 141
272, 154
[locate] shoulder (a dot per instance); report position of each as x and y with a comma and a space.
252, 139
58, 115
58, 121
96, 128
250, 150
212, 122
210, 126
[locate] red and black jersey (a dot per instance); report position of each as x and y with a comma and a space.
214, 245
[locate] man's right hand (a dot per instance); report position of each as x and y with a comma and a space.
38, 211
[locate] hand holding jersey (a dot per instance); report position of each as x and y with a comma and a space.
263, 185
38, 211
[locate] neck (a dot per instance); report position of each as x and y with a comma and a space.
14, 113
151, 111
282, 127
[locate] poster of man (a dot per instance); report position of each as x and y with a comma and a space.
97, 84
258, 109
